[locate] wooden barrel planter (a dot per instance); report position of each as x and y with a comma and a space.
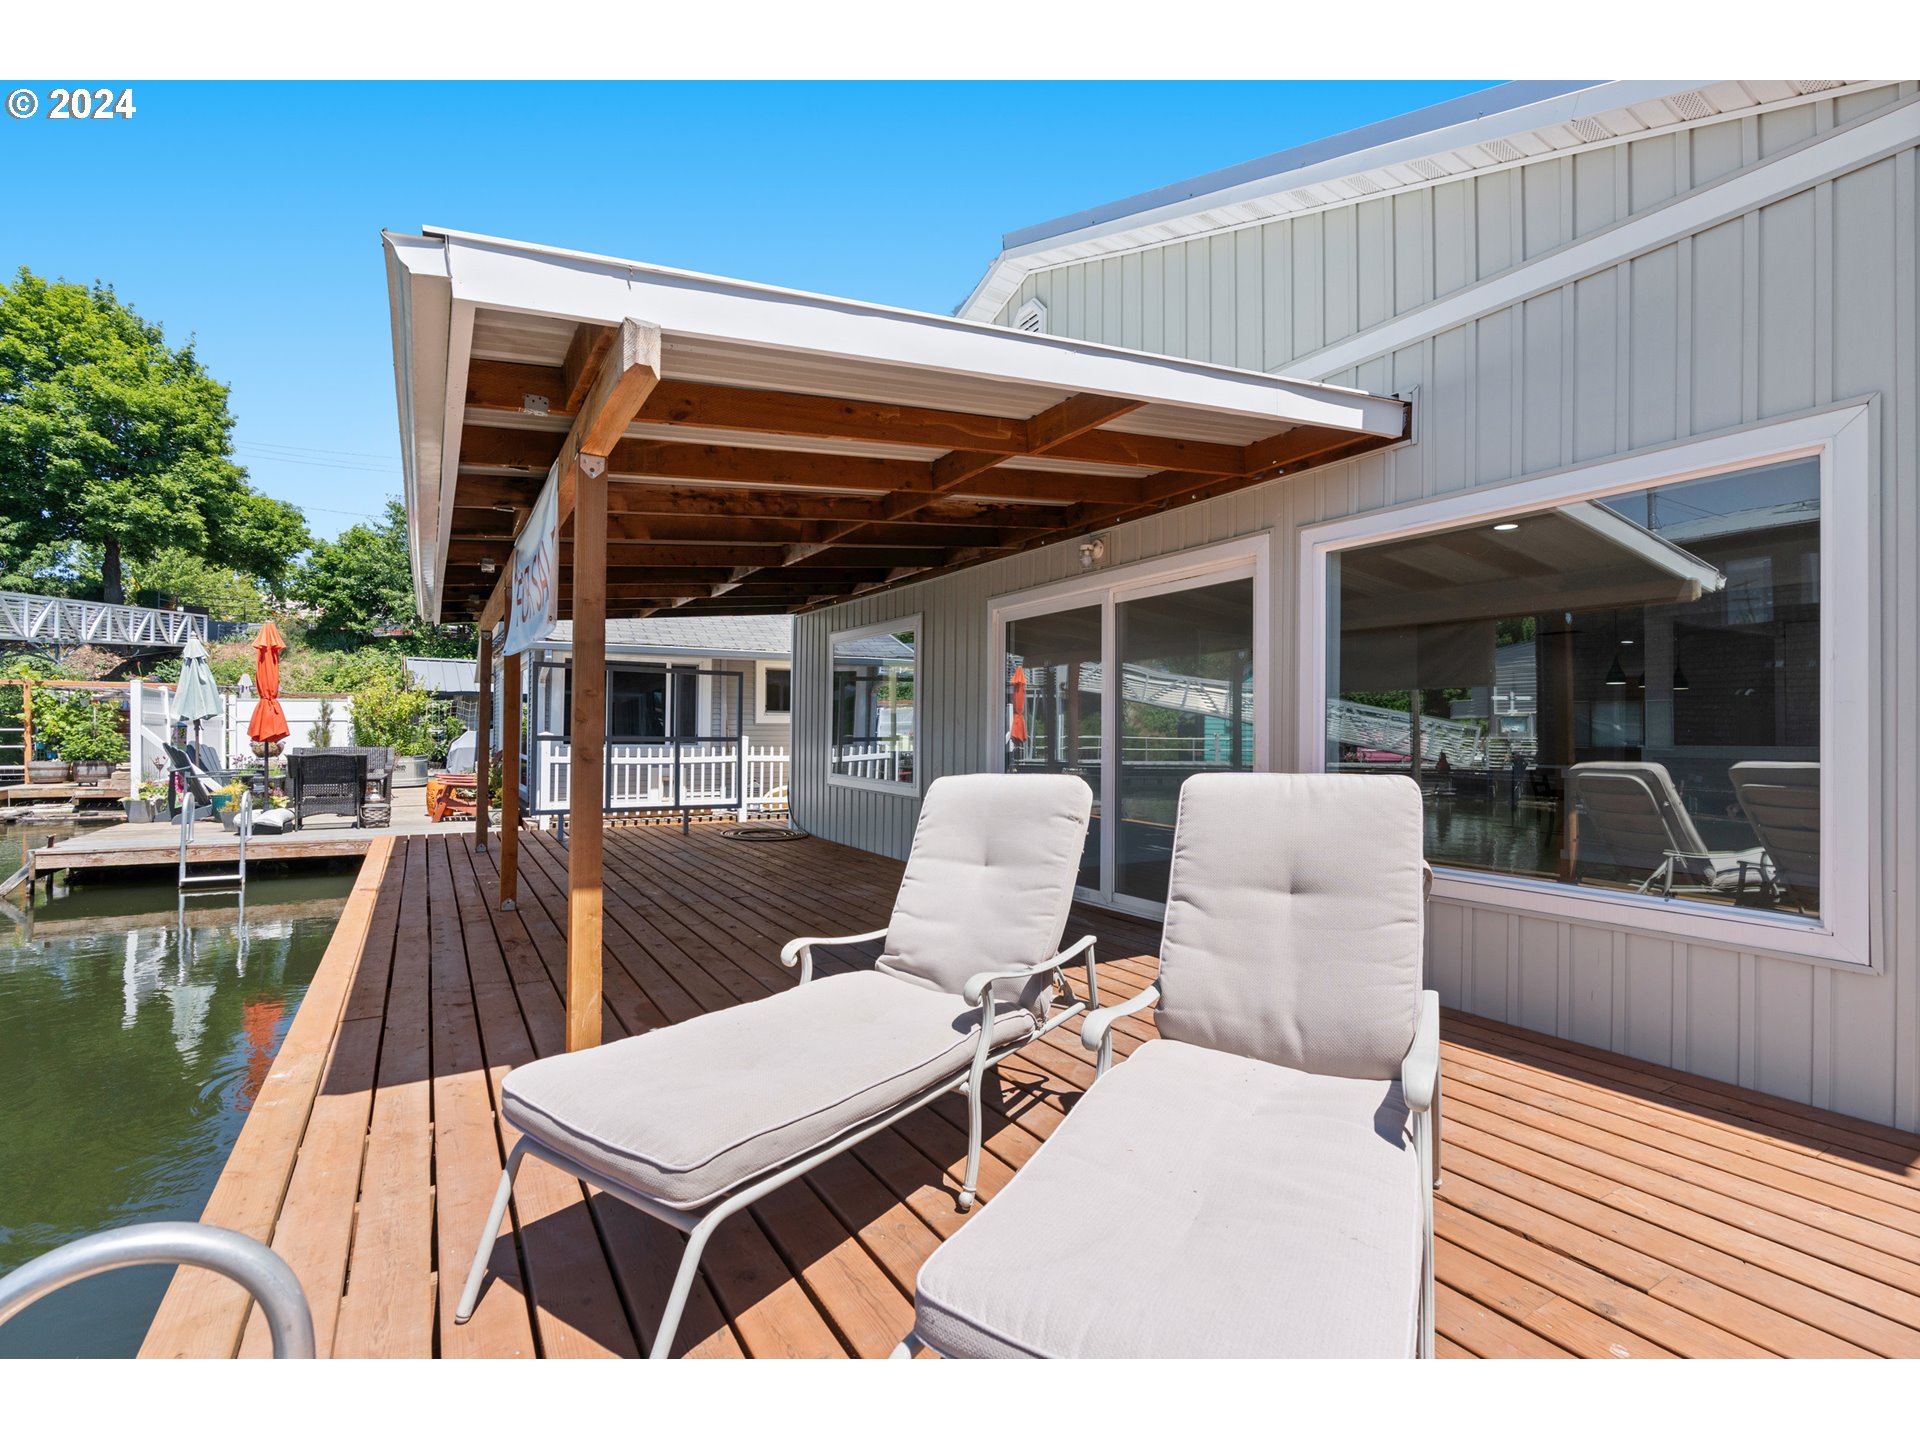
48, 772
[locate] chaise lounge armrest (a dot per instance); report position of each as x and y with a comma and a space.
979, 989
800, 951
1096, 1031
1420, 1079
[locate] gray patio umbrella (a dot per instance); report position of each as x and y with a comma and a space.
196, 697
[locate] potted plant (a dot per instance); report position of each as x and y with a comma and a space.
147, 804
73, 727
388, 711
226, 803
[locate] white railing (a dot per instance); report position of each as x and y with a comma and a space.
49, 620
873, 760
641, 777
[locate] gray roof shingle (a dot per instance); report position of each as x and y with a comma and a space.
697, 634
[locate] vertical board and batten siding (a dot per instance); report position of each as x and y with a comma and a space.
1807, 300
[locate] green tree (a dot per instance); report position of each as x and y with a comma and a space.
362, 580
111, 438
183, 578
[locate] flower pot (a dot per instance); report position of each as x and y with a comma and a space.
48, 772
229, 818
409, 772
92, 772
139, 812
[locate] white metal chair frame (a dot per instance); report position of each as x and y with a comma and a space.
700, 1223
1419, 1088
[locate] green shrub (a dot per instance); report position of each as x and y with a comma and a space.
387, 712
75, 728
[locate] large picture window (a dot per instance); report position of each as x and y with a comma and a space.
1621, 694
872, 724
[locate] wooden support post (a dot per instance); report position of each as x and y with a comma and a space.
588, 748
509, 780
483, 742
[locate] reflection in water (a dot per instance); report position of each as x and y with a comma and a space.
135, 1045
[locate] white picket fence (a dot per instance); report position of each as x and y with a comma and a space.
640, 777
873, 760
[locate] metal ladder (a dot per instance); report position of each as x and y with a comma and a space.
223, 882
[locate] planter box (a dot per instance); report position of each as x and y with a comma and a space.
139, 812
409, 772
48, 772
92, 772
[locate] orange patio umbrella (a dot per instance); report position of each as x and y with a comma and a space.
269, 722
1017, 731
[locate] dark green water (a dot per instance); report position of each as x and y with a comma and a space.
131, 1047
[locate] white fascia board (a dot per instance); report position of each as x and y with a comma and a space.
1806, 165
507, 275
419, 294
1126, 216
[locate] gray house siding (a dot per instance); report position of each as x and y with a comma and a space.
1804, 301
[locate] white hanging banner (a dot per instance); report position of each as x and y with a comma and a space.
535, 603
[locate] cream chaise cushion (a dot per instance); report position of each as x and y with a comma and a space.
1295, 919
688, 1112
989, 881
1242, 1210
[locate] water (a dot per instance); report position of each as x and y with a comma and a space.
130, 1051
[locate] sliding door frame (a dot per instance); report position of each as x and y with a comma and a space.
1248, 557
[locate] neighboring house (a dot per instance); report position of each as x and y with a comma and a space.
1658, 506
703, 682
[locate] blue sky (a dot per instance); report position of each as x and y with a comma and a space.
249, 215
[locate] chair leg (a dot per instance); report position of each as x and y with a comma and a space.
904, 1350
478, 1270
683, 1286
970, 1185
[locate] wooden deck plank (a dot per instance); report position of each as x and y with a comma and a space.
201, 1314
1593, 1205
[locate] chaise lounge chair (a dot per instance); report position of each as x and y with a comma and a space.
1644, 829
1782, 803
693, 1122
1260, 1175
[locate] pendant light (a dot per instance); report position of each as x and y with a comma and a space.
1679, 677
1615, 675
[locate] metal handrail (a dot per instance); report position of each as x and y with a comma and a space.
241, 1258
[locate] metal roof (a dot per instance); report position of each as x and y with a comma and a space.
1489, 130
442, 677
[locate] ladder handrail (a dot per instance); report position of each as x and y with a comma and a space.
241, 1258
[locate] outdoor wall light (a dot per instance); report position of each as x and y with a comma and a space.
488, 565
1092, 552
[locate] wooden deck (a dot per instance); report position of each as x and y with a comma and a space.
1592, 1205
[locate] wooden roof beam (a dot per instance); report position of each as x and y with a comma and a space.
504, 386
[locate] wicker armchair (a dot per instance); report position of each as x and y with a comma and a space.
321, 782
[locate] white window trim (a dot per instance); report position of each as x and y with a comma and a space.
1842, 437
1246, 555
856, 782
762, 669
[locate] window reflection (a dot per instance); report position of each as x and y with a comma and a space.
873, 707
1621, 693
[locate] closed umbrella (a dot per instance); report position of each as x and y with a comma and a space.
1017, 730
196, 697
269, 722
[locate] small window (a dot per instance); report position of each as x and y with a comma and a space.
1031, 317
776, 693
873, 728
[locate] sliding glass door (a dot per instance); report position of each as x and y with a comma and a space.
1186, 708
1053, 708
1183, 640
